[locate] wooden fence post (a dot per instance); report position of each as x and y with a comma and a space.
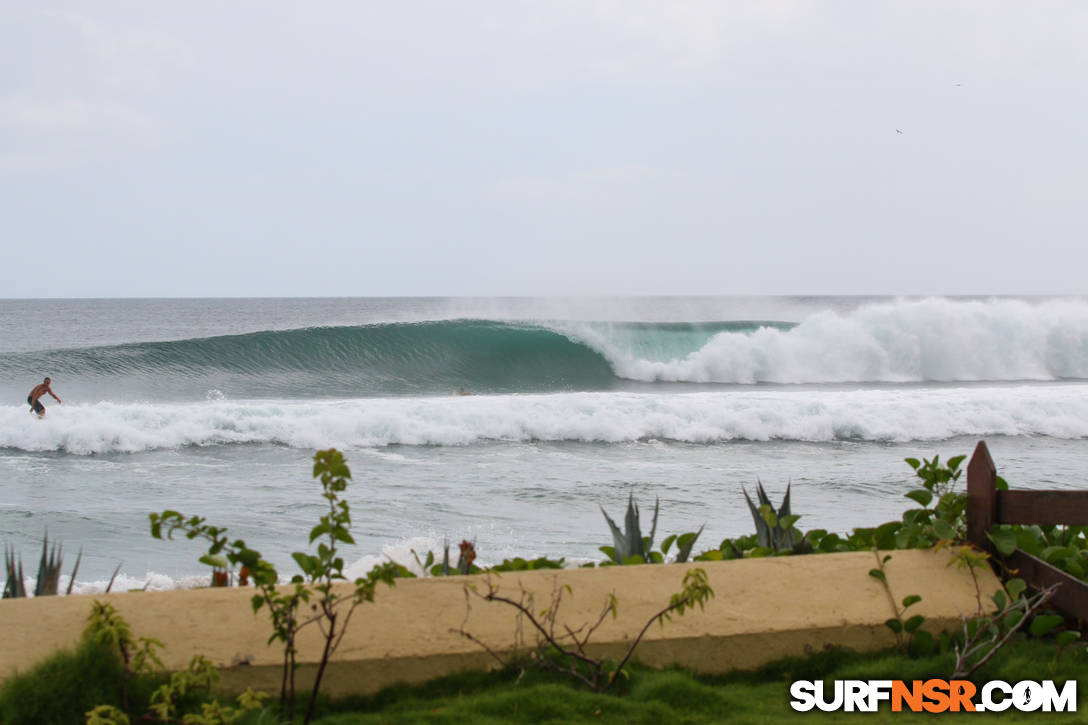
981, 497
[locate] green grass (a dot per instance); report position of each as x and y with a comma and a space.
68, 684
660, 697
62, 688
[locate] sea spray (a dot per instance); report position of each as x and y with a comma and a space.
933, 340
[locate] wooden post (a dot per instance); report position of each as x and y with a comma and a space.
981, 497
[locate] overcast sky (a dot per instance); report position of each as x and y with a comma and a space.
279, 148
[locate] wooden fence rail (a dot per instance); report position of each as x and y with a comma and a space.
987, 506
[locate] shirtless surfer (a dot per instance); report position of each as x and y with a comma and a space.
34, 398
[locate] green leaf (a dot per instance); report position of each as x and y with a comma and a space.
911, 600
917, 517
921, 495
913, 462
943, 529
787, 522
999, 600
861, 539
924, 643
904, 537
1054, 554
319, 530
1043, 623
219, 562
1066, 638
831, 542
304, 562
1015, 587
1012, 619
894, 625
686, 542
914, 622
1030, 539
884, 535
1004, 539
667, 543
878, 574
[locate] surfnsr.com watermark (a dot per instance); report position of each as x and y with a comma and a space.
934, 696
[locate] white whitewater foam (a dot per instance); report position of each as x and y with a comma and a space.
150, 582
939, 340
401, 553
880, 414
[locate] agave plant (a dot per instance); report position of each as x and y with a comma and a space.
49, 566
630, 542
13, 585
48, 569
774, 527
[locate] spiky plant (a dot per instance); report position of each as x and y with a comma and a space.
48, 569
630, 542
13, 585
774, 527
49, 565
75, 570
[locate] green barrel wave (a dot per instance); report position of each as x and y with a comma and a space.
434, 357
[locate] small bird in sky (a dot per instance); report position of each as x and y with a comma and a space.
898, 131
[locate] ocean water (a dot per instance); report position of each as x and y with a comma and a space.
215, 407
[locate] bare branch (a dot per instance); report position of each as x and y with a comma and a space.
631, 650
971, 646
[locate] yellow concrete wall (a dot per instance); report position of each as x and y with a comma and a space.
763, 609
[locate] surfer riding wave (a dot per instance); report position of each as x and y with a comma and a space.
34, 399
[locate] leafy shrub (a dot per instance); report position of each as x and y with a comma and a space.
63, 687
329, 610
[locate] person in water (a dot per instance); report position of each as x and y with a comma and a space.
34, 399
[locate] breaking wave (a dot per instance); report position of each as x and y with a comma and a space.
933, 340
879, 414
